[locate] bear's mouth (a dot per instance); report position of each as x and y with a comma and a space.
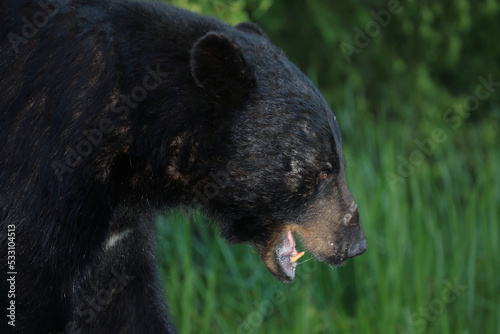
281, 259
286, 257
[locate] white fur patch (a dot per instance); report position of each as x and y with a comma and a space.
293, 180
305, 128
115, 237
294, 166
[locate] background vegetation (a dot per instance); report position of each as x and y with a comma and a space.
420, 139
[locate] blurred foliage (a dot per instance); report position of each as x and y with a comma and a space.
230, 11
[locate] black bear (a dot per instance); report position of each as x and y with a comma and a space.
112, 111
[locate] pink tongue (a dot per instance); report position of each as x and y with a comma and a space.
290, 244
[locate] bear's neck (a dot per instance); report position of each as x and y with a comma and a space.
160, 141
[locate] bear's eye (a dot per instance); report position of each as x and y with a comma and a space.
323, 175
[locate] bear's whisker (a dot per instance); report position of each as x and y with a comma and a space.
309, 259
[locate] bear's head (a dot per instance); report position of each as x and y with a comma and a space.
278, 170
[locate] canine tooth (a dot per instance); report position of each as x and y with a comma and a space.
296, 257
347, 218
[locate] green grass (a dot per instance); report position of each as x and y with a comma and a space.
437, 228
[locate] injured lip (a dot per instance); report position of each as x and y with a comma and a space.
287, 256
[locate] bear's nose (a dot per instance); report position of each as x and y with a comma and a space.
357, 249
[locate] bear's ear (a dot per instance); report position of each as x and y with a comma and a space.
218, 66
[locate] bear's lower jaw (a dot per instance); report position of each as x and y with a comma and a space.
281, 261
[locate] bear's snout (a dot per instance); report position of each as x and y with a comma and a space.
333, 235
356, 243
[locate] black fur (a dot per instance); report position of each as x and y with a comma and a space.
111, 111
